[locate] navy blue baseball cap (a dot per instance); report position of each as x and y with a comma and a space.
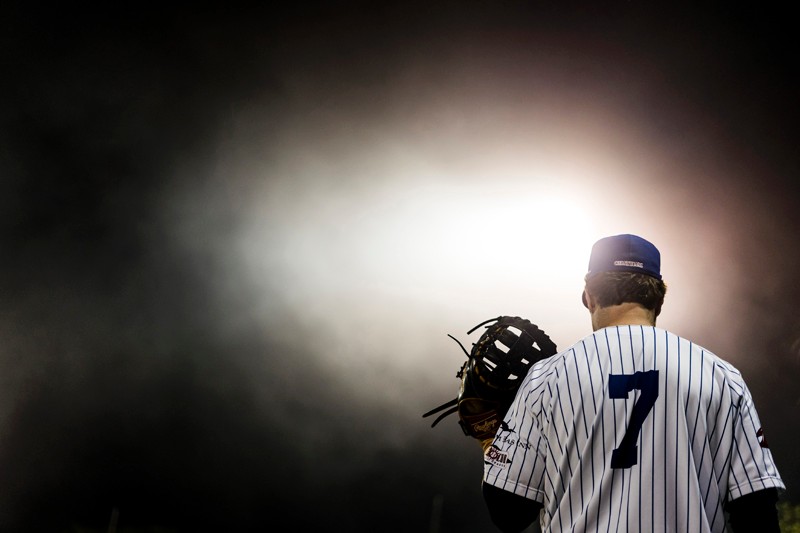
625, 253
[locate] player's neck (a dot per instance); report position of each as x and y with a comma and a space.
627, 314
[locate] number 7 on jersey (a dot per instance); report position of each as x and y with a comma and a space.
619, 385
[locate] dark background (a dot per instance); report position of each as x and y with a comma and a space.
233, 240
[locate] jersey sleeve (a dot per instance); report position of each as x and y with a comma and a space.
516, 460
752, 466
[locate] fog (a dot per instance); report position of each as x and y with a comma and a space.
235, 244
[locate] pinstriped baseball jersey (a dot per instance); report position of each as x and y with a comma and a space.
632, 429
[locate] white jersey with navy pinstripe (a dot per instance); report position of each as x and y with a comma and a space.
632, 429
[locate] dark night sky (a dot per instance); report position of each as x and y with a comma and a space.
234, 241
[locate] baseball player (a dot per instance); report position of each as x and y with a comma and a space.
632, 428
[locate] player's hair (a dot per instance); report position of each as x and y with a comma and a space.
614, 288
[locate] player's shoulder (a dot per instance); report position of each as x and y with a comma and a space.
666, 341
691, 345
722, 370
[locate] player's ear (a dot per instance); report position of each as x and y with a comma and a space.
588, 302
